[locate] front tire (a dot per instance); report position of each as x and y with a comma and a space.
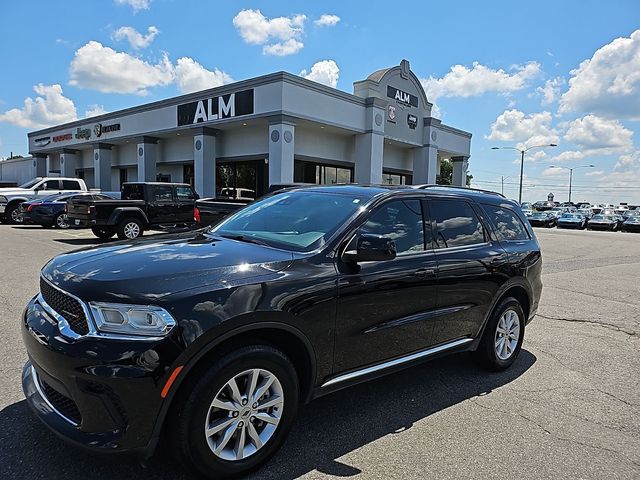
130, 229
12, 214
235, 415
502, 338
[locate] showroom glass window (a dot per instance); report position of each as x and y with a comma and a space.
508, 225
401, 221
456, 224
389, 178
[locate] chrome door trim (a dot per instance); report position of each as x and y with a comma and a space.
395, 362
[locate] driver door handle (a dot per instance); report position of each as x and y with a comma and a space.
424, 272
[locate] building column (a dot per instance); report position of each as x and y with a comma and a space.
204, 162
369, 150
147, 159
102, 166
68, 162
425, 165
282, 143
460, 166
41, 163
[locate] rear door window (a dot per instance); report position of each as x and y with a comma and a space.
162, 194
456, 224
70, 185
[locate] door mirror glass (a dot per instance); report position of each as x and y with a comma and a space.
373, 248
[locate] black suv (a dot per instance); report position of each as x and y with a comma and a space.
213, 338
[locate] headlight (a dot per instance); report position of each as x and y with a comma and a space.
3, 199
123, 319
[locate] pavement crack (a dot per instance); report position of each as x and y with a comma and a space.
591, 322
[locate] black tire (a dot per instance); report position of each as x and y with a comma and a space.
486, 352
193, 404
125, 228
61, 221
10, 214
103, 233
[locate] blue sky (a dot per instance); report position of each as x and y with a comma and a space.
565, 72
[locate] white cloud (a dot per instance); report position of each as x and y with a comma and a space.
551, 90
135, 38
568, 156
279, 35
555, 172
281, 49
49, 108
596, 133
327, 20
463, 81
324, 71
594, 173
628, 161
137, 5
191, 76
94, 110
528, 130
102, 68
608, 83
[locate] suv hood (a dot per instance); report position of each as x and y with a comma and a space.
151, 269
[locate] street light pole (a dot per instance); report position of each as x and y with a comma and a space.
571, 174
522, 152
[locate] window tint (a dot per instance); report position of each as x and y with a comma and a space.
51, 185
184, 194
70, 185
162, 194
401, 221
456, 223
508, 225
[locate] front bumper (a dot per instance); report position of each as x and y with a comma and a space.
102, 394
631, 227
569, 225
601, 226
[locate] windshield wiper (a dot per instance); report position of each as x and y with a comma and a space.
243, 238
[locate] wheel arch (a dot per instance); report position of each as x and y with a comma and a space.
291, 341
120, 214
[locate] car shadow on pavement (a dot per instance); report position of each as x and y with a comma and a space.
326, 429
81, 242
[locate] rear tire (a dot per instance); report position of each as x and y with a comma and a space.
61, 221
502, 338
240, 421
130, 229
102, 233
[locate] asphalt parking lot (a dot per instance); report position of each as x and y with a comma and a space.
568, 408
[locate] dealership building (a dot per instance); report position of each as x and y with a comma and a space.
275, 129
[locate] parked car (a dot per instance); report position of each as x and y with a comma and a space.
631, 224
209, 211
52, 211
213, 338
572, 220
543, 206
543, 219
604, 222
12, 197
143, 206
583, 205
586, 212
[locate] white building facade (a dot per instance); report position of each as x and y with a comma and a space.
275, 129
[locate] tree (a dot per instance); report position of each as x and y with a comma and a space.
446, 173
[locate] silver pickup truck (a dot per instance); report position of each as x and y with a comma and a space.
12, 197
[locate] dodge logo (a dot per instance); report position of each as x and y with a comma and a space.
97, 129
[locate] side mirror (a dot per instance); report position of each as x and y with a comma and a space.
371, 248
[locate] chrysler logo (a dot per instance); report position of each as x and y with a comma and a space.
97, 129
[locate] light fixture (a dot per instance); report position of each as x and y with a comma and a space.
244, 124
177, 134
321, 126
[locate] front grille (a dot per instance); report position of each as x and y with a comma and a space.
61, 403
66, 306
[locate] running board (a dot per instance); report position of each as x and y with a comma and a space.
396, 362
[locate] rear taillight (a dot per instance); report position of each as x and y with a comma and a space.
31, 205
65, 208
196, 215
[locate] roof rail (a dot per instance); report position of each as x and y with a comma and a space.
456, 187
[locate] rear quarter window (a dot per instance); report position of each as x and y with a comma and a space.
456, 224
507, 223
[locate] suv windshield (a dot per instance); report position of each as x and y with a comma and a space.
299, 220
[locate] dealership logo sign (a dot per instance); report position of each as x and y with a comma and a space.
83, 133
216, 108
391, 113
100, 129
412, 121
42, 141
402, 97
62, 138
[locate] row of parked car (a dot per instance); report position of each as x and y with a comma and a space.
583, 216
